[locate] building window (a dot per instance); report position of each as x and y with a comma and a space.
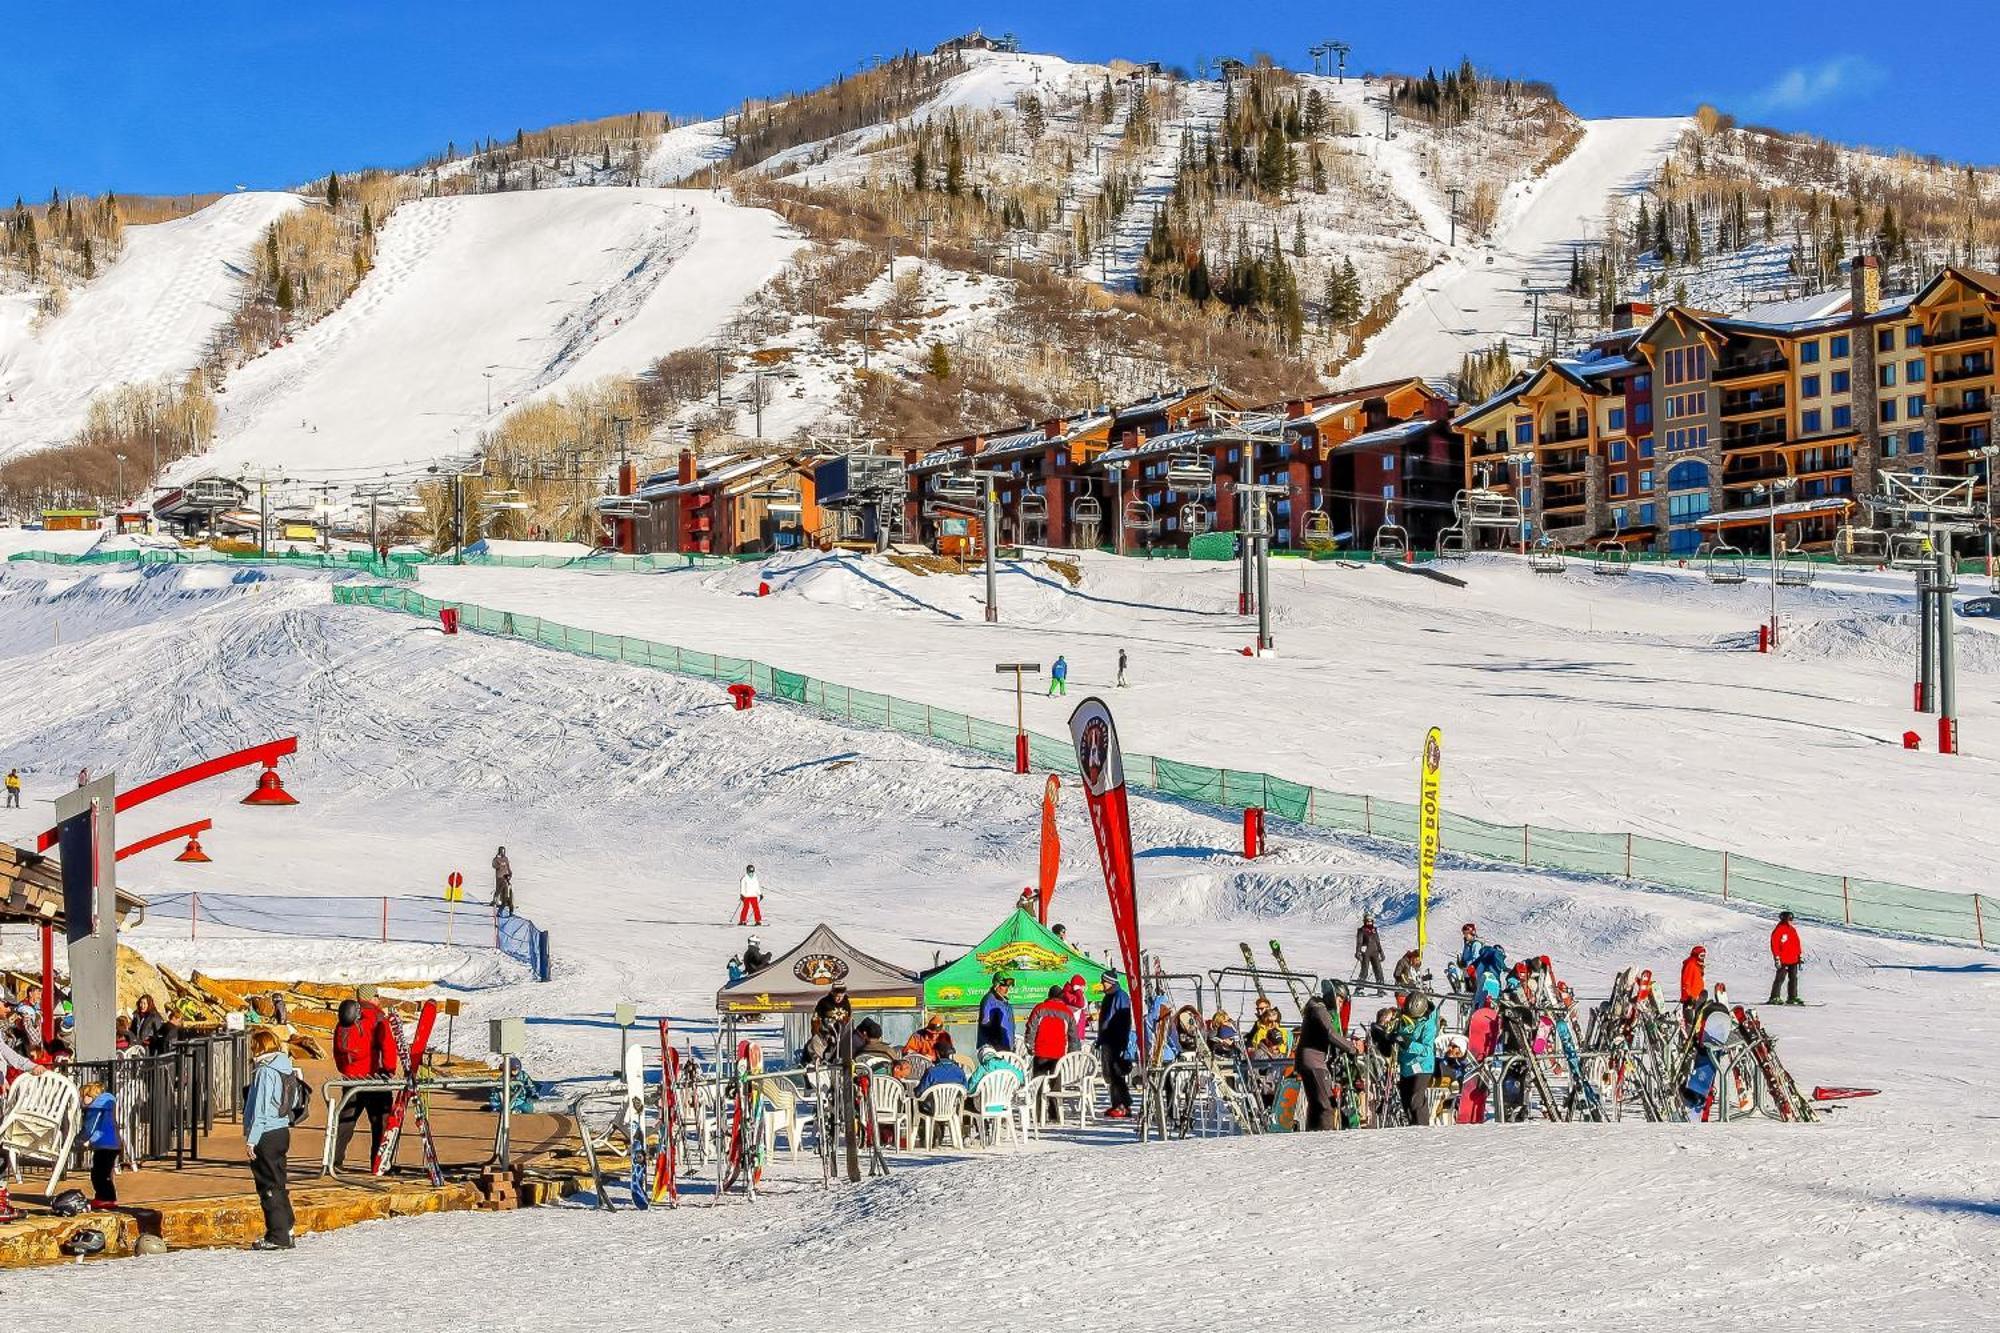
1619, 517
1885, 340
1891, 446
1641, 383
1524, 430
1647, 513
1836, 347
1913, 406
1888, 410
1388, 492
1615, 420
1618, 451
1913, 371
1887, 376
1809, 421
1809, 386
1646, 480
1842, 382
1843, 418
1913, 335
1809, 353
1916, 442
1388, 462
1646, 447
1620, 484
1642, 415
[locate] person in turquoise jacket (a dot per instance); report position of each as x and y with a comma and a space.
1416, 1055
268, 1132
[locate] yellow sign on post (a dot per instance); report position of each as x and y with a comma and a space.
454, 888
1427, 830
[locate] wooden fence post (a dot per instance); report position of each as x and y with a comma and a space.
1628, 856
194, 910
1524, 844
1368, 815
1725, 876
385, 918
1978, 922
1846, 906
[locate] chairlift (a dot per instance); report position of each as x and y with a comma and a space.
1317, 533
1195, 519
1613, 560
1139, 516
955, 486
1725, 563
1032, 507
1454, 544
1795, 570
624, 506
1190, 474
1392, 543
1910, 550
1860, 546
1482, 508
1086, 509
1548, 556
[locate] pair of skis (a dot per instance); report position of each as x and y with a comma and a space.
666, 1187
411, 1050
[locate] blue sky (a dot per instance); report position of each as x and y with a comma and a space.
205, 95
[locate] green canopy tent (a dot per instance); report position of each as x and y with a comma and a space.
1024, 949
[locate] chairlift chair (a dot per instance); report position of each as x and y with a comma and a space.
1392, 542
1317, 530
1454, 544
1139, 516
1854, 545
1547, 556
1910, 550
1794, 570
1190, 474
1725, 563
1613, 559
1086, 509
955, 486
1195, 519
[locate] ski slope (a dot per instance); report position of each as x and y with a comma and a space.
629, 799
150, 313
543, 289
1477, 297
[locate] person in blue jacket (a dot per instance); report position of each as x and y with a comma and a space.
268, 1132
946, 1071
1059, 677
996, 1015
100, 1135
1416, 1056
1114, 1042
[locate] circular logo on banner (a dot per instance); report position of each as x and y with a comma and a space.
1432, 758
455, 880
1095, 749
820, 969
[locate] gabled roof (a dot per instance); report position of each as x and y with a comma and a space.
1019, 947
797, 978
1401, 432
719, 474
1988, 283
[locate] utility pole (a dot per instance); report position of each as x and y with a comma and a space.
718, 379
924, 221
986, 532
1340, 50
263, 481
1454, 192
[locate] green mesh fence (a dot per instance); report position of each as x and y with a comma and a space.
1813, 895
357, 561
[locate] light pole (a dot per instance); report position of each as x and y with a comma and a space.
121, 479
489, 391
1520, 462
1770, 494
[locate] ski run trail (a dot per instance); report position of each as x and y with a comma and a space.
629, 800
1478, 295
148, 314
478, 302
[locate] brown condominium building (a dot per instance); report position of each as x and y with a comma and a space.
1683, 424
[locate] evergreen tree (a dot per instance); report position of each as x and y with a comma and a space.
285, 292
1033, 124
938, 364
1693, 235
1273, 162
1314, 122
332, 190
1299, 236
919, 167
1642, 229
954, 159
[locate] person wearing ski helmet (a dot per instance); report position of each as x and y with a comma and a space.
1416, 1056
1694, 983
1367, 949
364, 1046
1786, 956
1460, 971
1319, 1037
755, 956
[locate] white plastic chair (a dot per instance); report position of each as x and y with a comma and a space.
1073, 1082
889, 1103
919, 1065
782, 1111
1019, 1062
939, 1113
995, 1103
40, 1120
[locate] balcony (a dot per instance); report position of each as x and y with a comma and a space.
1761, 437
1567, 435
1749, 368
1968, 331
1572, 464
1754, 473
1972, 405
1968, 368
1752, 404
1959, 439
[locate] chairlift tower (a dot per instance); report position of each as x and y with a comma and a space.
1930, 510
954, 491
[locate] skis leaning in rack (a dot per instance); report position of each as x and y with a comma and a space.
411, 1050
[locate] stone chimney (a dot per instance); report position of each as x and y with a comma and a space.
1865, 275
1052, 429
1294, 408
1629, 315
685, 472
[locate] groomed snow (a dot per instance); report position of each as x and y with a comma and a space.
629, 800
545, 289
150, 313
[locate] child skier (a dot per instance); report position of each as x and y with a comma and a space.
1059, 677
100, 1133
13, 789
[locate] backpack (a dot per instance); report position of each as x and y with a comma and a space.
294, 1098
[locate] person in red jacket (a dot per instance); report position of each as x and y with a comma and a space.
1051, 1025
1694, 982
1078, 999
1785, 954
364, 1046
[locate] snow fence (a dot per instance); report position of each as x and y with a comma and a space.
350, 561
383, 919
1729, 876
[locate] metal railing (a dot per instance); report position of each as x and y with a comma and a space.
169, 1102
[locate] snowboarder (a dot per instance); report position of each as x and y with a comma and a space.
734, 969
1460, 971
1319, 1036
1121, 668
749, 897
996, 1015
1368, 949
1694, 983
755, 956
1059, 678
13, 789
503, 883
364, 1046
1785, 954
1114, 1038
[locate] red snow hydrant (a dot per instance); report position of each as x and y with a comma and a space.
1912, 741
448, 616
741, 696
1253, 832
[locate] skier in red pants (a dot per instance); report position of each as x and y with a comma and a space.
748, 909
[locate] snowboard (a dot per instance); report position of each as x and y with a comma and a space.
635, 1126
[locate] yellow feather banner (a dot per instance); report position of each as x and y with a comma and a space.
1427, 831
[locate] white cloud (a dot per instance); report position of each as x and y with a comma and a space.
1811, 85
